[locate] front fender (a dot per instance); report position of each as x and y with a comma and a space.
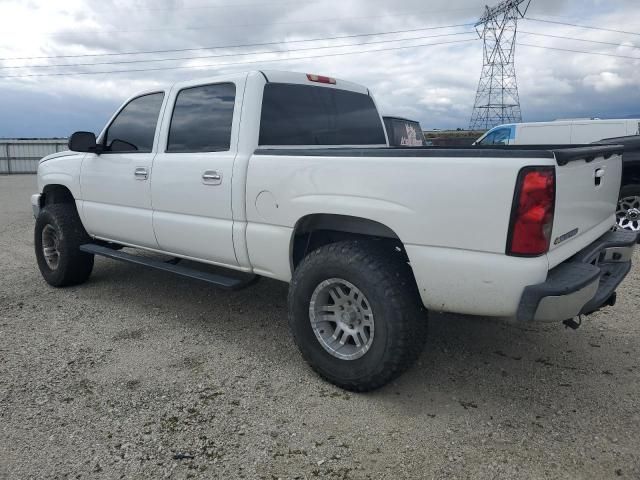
61, 170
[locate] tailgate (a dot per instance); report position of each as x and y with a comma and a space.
587, 187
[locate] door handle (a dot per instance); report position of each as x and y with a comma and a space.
211, 177
141, 173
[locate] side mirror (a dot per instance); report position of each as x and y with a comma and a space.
82, 142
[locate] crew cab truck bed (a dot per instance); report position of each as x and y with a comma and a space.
456, 272
289, 176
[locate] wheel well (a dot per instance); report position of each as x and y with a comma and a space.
630, 174
56, 194
315, 231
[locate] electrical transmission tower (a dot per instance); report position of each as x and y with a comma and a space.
497, 99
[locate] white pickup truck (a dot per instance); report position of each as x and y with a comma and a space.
289, 176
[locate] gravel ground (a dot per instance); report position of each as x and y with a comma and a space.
140, 374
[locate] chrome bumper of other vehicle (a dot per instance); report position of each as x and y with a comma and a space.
583, 284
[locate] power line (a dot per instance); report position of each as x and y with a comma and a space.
579, 51
264, 44
57, 74
207, 7
235, 54
590, 27
226, 26
307, 49
235, 5
339, 37
579, 39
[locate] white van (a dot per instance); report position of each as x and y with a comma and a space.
559, 132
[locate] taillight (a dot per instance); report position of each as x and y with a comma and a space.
532, 212
320, 79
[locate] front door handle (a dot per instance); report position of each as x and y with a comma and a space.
141, 173
211, 177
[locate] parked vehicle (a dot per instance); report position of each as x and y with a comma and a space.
585, 131
559, 132
628, 212
402, 132
289, 176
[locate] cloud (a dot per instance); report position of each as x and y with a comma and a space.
605, 81
433, 83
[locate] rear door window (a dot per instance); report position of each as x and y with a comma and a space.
308, 115
202, 119
134, 127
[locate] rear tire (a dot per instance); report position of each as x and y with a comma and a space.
386, 303
57, 238
628, 211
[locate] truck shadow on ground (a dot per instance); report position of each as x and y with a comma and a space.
467, 361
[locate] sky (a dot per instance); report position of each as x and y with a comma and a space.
428, 70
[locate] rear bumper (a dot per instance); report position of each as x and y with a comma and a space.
584, 283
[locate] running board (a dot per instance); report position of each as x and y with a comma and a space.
223, 281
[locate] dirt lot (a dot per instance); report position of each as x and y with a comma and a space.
139, 374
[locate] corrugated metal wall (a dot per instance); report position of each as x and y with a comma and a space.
22, 156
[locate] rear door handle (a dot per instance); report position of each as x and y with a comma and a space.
211, 177
141, 173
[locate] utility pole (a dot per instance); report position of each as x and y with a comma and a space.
497, 99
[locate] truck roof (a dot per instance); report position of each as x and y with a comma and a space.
275, 76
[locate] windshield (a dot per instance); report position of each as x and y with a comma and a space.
497, 136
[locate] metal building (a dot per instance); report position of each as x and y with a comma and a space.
19, 155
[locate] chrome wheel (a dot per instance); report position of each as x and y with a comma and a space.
50, 243
342, 319
628, 213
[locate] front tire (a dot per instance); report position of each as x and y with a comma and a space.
355, 314
57, 238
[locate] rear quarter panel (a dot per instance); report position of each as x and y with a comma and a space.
457, 204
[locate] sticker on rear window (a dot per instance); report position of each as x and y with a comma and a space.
411, 139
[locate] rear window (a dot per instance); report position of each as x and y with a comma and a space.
309, 115
404, 133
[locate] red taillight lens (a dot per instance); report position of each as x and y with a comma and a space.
532, 212
320, 79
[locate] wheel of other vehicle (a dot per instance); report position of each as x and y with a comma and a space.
355, 314
628, 212
58, 236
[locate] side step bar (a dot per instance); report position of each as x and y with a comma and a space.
222, 281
